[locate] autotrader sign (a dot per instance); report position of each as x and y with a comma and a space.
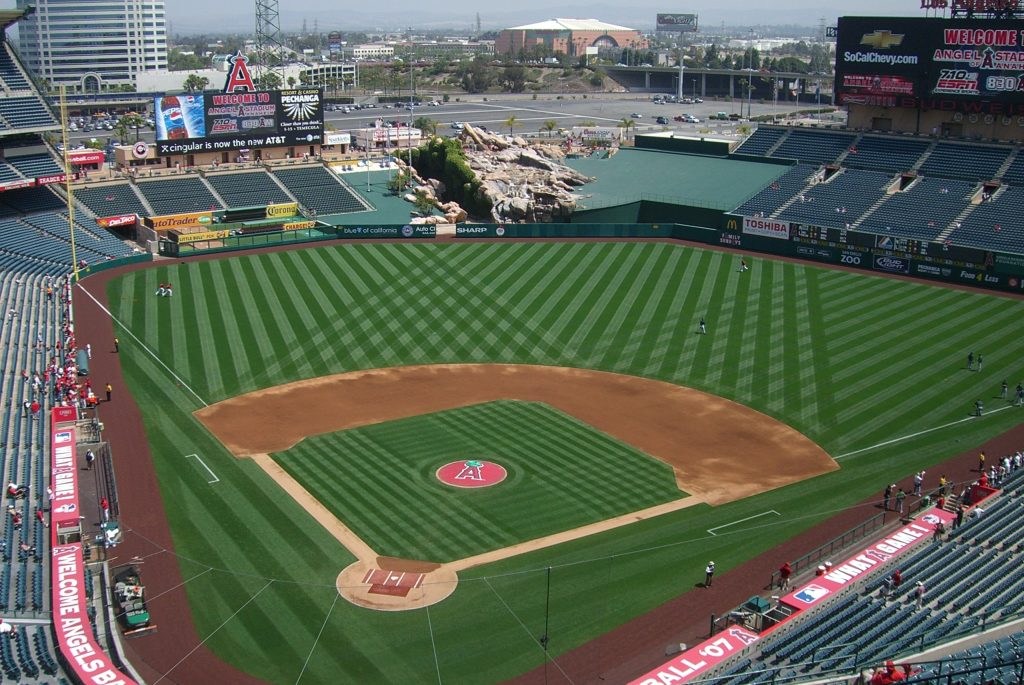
768, 228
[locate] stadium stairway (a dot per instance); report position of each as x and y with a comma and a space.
778, 143
213, 191
1007, 163
856, 141
923, 158
815, 179
960, 218
878, 204
283, 187
142, 198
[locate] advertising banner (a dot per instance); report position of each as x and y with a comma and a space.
677, 22
87, 157
73, 632
597, 134
232, 121
896, 265
282, 210
407, 231
120, 220
692, 663
337, 138
201, 236
189, 220
64, 510
54, 178
768, 228
868, 560
20, 183
966, 65
298, 225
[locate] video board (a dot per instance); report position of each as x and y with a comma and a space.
965, 65
212, 122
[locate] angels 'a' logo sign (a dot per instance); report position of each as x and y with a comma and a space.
472, 473
239, 79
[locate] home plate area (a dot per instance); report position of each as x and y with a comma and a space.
393, 583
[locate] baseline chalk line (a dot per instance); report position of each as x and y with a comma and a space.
212, 474
711, 531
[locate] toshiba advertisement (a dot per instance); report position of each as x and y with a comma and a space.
956, 65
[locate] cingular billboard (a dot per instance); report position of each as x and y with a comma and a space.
211, 122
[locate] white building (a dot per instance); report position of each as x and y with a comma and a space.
90, 45
372, 51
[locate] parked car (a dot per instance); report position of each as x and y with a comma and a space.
637, 115
661, 120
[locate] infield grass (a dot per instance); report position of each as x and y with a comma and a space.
848, 359
562, 474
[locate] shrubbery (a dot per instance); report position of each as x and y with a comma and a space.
442, 158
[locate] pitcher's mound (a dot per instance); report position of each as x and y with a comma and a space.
395, 585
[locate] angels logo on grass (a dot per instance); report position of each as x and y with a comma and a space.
472, 473
811, 594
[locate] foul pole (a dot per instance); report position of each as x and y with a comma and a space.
67, 178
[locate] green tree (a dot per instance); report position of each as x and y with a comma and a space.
127, 126
396, 183
268, 81
512, 122
195, 83
513, 78
627, 123
423, 203
549, 125
426, 124
793, 64
291, 81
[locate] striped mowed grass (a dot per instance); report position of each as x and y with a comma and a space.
380, 479
850, 360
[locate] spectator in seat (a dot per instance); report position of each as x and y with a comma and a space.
887, 675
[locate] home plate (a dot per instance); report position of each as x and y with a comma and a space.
394, 583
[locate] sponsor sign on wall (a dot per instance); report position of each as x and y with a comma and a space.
232, 121
87, 157
120, 220
337, 138
178, 221
298, 225
767, 228
691, 664
282, 210
202, 236
896, 265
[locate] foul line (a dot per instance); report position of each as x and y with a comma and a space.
212, 474
143, 346
914, 435
318, 636
711, 531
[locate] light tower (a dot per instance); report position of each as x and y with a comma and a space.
269, 48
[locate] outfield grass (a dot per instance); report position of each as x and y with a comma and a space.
850, 360
562, 474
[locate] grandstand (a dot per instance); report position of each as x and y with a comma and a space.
248, 189
835, 202
178, 195
320, 191
112, 199
922, 211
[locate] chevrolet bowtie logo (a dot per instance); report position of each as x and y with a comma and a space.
881, 40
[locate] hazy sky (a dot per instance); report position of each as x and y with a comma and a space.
202, 15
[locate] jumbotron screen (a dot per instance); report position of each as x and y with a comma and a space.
209, 122
957, 65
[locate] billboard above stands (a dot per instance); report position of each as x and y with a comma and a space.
677, 23
87, 157
966, 65
233, 121
604, 134
337, 139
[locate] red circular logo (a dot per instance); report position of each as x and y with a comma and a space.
472, 473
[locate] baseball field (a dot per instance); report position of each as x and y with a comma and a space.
812, 389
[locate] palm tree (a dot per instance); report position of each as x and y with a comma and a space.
550, 125
511, 122
627, 124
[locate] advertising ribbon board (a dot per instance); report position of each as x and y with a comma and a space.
53, 178
282, 210
298, 225
692, 663
767, 228
20, 183
87, 157
190, 220
84, 658
64, 509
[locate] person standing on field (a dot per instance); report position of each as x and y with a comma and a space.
709, 573
970, 361
703, 327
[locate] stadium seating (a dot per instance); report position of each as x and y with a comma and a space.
247, 189
11, 75
994, 225
111, 200
921, 212
839, 201
1014, 174
768, 200
35, 199
32, 166
761, 140
8, 173
177, 195
93, 244
815, 146
319, 190
889, 153
25, 112
969, 162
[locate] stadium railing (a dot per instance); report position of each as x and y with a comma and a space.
830, 548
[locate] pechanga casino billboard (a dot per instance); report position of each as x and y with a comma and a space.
212, 122
956, 65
